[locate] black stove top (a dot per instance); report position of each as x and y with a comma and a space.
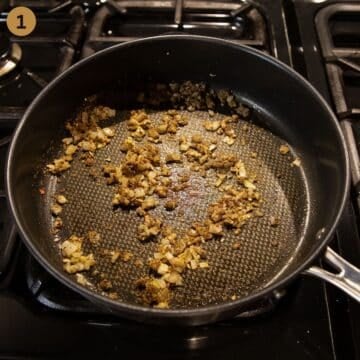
40, 318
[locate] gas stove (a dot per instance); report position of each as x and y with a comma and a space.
40, 318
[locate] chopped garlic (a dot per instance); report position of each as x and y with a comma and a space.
108, 132
94, 237
296, 162
228, 140
81, 279
284, 149
56, 209
212, 125
203, 264
249, 185
274, 221
61, 199
170, 205
173, 158
73, 258
163, 269
114, 256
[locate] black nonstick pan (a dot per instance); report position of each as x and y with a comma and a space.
309, 199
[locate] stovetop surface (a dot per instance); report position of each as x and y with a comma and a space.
40, 318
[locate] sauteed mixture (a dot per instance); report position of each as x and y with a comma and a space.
160, 162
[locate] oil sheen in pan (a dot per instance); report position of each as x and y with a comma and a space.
264, 251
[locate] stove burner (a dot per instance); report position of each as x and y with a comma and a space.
10, 55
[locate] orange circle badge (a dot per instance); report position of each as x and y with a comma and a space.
21, 21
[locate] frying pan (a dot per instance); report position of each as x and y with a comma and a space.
309, 199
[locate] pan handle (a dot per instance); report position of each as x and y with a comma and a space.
347, 279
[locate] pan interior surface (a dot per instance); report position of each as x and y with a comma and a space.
264, 252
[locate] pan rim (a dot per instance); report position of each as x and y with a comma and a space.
143, 310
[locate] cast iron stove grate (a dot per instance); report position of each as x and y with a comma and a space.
48, 51
339, 35
240, 22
